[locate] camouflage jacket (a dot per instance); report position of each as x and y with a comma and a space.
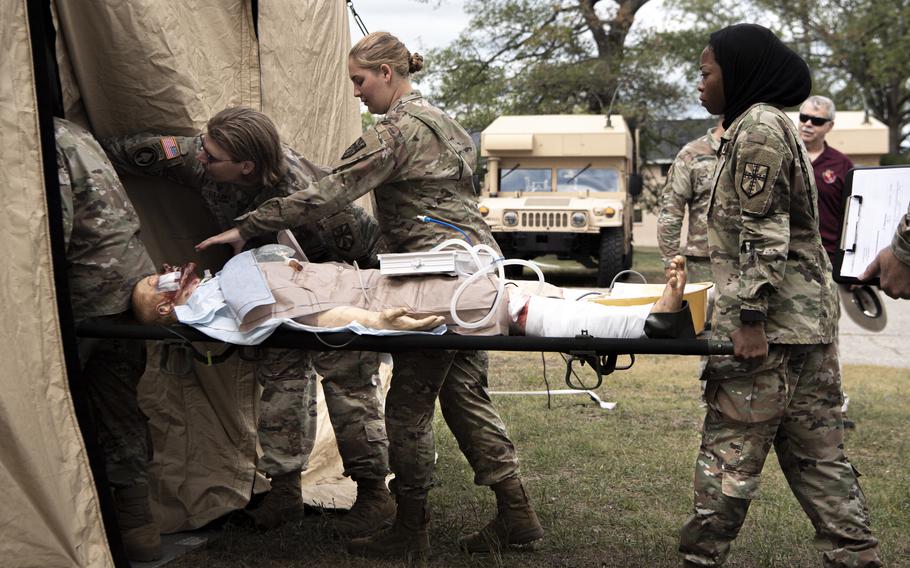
351, 234
688, 185
763, 238
419, 162
900, 246
104, 255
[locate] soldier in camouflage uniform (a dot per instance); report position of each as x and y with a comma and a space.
892, 265
777, 302
419, 162
105, 259
687, 187
237, 166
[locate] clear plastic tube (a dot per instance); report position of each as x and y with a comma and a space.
480, 271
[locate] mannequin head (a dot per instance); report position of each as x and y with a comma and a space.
155, 296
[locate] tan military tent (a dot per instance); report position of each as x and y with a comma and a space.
124, 67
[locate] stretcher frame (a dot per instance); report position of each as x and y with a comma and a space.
599, 353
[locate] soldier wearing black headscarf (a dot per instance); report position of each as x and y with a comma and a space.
777, 303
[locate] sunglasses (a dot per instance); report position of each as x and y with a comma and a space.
815, 120
209, 158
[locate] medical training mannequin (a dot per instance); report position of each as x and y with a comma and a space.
379, 301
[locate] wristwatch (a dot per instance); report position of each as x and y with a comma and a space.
751, 316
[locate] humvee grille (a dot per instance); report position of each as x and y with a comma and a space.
544, 219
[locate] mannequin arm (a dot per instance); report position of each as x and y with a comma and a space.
392, 318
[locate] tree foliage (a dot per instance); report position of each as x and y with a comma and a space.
856, 48
860, 49
570, 56
545, 56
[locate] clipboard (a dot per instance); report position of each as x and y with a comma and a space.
877, 199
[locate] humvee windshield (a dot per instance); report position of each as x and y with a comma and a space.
526, 179
591, 179
529, 180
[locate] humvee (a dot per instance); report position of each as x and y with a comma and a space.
561, 184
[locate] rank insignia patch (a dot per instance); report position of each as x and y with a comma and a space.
344, 238
357, 146
754, 178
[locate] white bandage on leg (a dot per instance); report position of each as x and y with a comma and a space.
553, 317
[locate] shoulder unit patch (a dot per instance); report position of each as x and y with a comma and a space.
357, 146
754, 178
343, 237
145, 156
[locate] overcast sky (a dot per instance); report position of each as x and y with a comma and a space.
420, 25
435, 23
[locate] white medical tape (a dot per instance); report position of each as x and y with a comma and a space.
517, 301
169, 282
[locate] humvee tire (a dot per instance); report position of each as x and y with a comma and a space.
611, 261
627, 259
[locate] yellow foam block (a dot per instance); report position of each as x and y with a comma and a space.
625, 294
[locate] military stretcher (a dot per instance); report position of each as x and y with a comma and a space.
601, 354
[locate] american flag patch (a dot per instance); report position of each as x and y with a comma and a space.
170, 147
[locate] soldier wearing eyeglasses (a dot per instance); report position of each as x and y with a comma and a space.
236, 165
816, 119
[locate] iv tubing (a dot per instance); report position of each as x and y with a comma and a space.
498, 265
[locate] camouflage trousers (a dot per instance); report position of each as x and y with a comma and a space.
698, 269
793, 404
287, 411
350, 382
111, 369
457, 378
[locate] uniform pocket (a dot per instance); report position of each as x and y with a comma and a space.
375, 431
739, 484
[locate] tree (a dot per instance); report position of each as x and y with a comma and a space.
565, 57
856, 48
866, 40
545, 56
366, 120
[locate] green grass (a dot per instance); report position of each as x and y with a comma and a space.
613, 487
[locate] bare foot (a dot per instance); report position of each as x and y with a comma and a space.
399, 319
671, 300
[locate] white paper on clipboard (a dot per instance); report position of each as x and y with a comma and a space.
878, 200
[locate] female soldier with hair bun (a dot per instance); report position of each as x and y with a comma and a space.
419, 162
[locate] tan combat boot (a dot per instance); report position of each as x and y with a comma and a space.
282, 504
406, 539
373, 510
515, 524
138, 529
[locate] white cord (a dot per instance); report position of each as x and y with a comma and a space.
363, 287
481, 270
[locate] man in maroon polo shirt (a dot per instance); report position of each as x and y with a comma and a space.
816, 119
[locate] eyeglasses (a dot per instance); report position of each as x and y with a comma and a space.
209, 158
815, 120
